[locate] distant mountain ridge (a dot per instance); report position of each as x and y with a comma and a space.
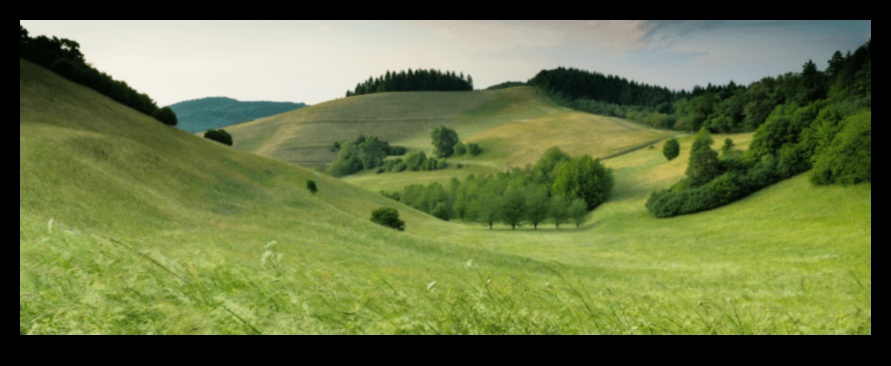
214, 112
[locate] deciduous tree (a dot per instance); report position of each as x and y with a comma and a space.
444, 140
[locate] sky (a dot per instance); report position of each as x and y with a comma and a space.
313, 61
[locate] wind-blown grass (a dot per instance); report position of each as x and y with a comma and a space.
129, 227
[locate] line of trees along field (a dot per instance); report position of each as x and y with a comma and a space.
822, 124
727, 108
558, 189
414, 80
63, 57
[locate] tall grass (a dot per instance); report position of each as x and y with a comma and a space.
127, 227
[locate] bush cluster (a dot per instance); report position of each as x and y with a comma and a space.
558, 188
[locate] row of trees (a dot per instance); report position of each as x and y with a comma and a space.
558, 188
63, 57
414, 80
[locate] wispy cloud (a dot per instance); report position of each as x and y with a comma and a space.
489, 36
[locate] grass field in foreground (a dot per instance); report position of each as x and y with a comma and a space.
130, 227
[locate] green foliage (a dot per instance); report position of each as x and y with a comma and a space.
727, 148
558, 210
671, 149
515, 196
444, 140
388, 216
311, 186
63, 57
441, 211
418, 80
576, 84
474, 149
513, 207
486, 208
167, 116
366, 152
585, 178
848, 158
703, 166
220, 136
784, 126
372, 151
396, 151
545, 170
460, 149
537, 205
577, 211
347, 161
415, 161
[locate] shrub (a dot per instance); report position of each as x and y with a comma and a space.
441, 211
220, 136
168, 117
311, 186
396, 151
415, 161
460, 149
671, 149
474, 149
389, 217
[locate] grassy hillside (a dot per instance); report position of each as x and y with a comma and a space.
209, 113
514, 125
130, 227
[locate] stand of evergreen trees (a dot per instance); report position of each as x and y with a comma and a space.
417, 80
63, 57
575, 84
818, 121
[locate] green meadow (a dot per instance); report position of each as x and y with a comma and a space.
128, 226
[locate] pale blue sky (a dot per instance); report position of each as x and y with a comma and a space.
316, 61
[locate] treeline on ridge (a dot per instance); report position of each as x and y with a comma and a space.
63, 57
727, 108
414, 80
825, 126
558, 189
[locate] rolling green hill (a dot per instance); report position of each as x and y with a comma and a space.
209, 113
131, 227
514, 125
